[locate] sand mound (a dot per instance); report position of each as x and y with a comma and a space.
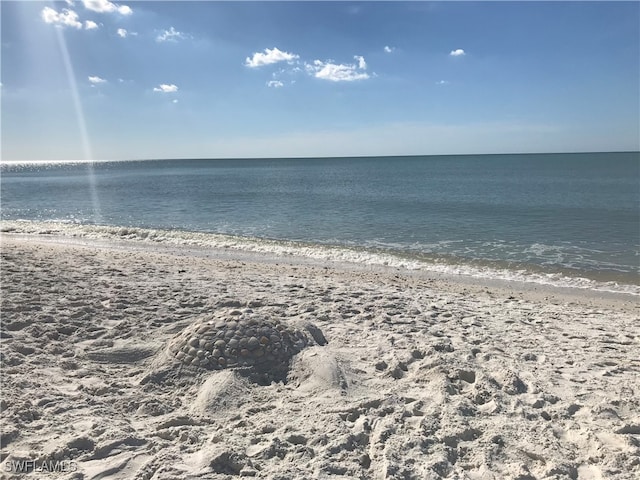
255, 345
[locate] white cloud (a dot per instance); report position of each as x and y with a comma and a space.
96, 80
268, 57
327, 70
105, 6
67, 18
362, 65
389, 49
457, 53
124, 33
175, 100
164, 88
442, 82
337, 72
171, 35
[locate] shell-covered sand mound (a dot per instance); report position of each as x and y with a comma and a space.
255, 344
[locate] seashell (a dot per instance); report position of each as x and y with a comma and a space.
258, 353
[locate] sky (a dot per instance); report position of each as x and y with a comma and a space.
100, 80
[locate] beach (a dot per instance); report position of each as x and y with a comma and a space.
423, 375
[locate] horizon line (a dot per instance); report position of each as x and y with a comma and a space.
320, 157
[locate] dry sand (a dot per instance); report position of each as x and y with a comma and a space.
423, 377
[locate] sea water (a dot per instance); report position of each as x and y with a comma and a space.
566, 219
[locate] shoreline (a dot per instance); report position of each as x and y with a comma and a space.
537, 291
425, 375
530, 276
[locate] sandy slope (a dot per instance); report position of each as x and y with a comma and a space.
422, 377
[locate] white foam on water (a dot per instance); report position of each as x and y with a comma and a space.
313, 251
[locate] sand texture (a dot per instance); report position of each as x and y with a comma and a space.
420, 377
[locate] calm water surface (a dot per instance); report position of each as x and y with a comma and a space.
557, 214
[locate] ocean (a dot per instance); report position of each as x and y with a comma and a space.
560, 219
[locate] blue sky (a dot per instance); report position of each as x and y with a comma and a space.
99, 80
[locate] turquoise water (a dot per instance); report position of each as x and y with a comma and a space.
570, 216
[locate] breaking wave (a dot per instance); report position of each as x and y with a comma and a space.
373, 256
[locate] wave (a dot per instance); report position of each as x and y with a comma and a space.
321, 252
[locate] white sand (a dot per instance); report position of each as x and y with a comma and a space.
423, 377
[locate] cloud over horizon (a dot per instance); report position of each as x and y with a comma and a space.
362, 65
269, 57
105, 6
70, 18
324, 70
336, 72
96, 80
171, 35
166, 88
66, 18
